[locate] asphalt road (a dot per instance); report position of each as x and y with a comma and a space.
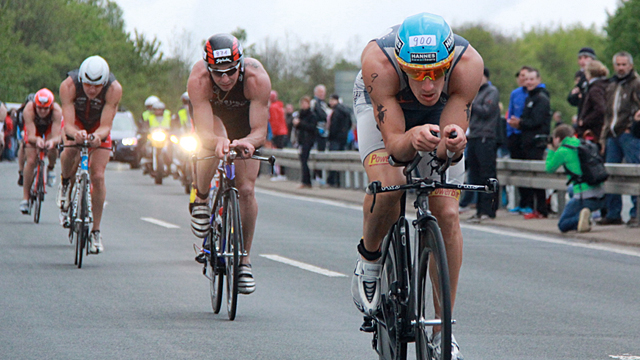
522, 296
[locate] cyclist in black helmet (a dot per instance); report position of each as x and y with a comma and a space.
229, 97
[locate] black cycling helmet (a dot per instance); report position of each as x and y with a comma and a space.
221, 49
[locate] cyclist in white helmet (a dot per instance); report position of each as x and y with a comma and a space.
89, 97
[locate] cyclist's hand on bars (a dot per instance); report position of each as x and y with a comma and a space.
459, 142
422, 138
245, 149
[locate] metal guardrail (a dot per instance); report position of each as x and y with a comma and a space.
624, 179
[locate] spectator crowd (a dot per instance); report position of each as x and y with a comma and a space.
606, 128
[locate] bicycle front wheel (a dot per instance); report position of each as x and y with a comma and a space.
215, 262
393, 293
433, 310
82, 235
233, 236
39, 194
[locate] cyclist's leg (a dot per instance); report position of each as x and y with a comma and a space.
68, 160
205, 169
98, 163
21, 156
376, 165
30, 164
376, 223
445, 209
246, 175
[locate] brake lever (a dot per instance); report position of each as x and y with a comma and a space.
372, 189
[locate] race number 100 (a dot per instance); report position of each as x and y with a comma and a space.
422, 40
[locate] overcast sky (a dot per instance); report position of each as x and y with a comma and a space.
346, 24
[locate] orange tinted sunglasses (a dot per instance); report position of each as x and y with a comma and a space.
431, 74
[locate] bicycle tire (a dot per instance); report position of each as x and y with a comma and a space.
39, 194
390, 343
83, 228
215, 263
432, 251
159, 174
233, 236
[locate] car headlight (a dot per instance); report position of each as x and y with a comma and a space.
174, 139
130, 141
189, 143
158, 135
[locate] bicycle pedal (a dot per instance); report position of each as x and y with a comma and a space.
367, 325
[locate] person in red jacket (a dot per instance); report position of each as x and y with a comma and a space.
278, 128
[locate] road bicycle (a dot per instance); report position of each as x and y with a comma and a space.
224, 245
38, 189
79, 216
415, 273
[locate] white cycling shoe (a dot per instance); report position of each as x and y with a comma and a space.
455, 349
95, 246
365, 285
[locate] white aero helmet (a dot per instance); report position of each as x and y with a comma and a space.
94, 71
151, 100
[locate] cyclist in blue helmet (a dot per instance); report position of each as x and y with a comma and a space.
416, 78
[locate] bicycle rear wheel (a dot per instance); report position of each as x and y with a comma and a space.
233, 232
39, 194
393, 293
433, 310
82, 235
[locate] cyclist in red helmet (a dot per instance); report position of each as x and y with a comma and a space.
41, 116
89, 97
229, 97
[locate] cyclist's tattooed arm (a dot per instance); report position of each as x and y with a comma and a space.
464, 82
468, 111
379, 73
381, 111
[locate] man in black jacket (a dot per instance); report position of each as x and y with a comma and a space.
339, 126
579, 91
481, 147
535, 120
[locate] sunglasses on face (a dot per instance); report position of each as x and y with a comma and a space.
431, 74
229, 72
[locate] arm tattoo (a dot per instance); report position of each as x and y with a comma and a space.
381, 111
252, 64
374, 76
468, 111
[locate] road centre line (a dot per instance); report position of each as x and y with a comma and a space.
492, 230
301, 265
160, 223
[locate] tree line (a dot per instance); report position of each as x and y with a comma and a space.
41, 40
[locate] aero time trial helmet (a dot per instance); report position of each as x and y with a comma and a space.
424, 46
221, 49
94, 71
44, 98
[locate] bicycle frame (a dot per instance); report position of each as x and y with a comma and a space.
403, 295
83, 169
225, 241
38, 188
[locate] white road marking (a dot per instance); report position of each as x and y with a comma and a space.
304, 266
160, 223
618, 249
593, 246
625, 357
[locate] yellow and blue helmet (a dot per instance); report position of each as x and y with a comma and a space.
424, 46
